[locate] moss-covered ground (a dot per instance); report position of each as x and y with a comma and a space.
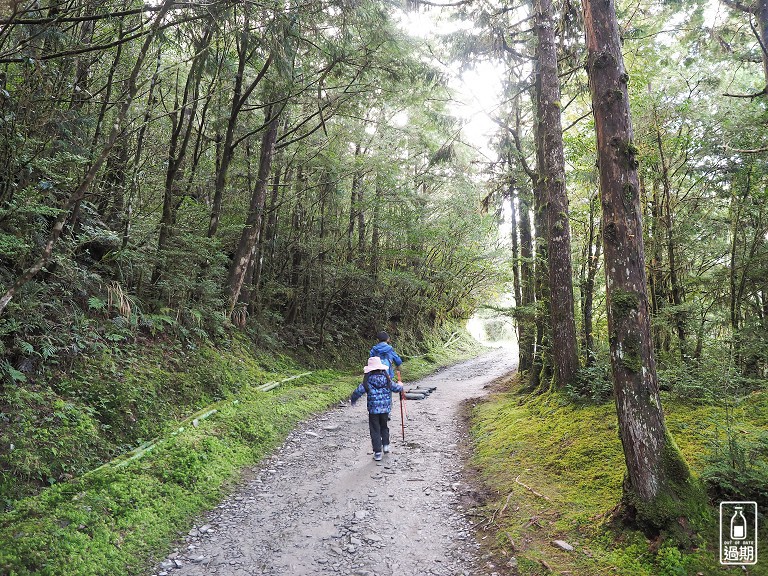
553, 470
96, 519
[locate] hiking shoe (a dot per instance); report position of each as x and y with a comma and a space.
377, 456
386, 448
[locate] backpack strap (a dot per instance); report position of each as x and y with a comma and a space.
368, 375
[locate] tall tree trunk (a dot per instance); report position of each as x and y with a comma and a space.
265, 235
376, 231
296, 250
541, 362
515, 254
564, 351
588, 292
250, 234
356, 175
527, 326
240, 95
113, 196
658, 488
273, 220
541, 369
656, 282
676, 290
182, 123
360, 224
125, 214
733, 282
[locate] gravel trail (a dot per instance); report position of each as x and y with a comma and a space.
322, 505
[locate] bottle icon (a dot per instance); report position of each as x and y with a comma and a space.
738, 524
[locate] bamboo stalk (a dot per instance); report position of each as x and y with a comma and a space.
274, 384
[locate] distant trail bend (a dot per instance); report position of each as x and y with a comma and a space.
321, 505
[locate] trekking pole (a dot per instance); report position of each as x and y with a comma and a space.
402, 417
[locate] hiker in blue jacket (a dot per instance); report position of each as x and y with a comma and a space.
379, 387
388, 355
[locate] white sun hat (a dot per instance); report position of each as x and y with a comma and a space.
374, 363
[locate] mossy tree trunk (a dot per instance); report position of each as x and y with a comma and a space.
541, 367
658, 487
515, 248
551, 169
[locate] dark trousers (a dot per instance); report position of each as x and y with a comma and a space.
377, 424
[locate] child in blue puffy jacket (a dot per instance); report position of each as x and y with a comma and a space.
383, 349
378, 385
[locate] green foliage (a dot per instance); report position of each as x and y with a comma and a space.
736, 466
592, 383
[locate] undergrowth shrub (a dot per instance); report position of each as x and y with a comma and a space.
671, 562
736, 468
593, 383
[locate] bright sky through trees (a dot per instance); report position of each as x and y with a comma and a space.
477, 88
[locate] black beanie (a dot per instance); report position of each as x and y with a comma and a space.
382, 336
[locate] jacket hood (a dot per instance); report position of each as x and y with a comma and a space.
382, 348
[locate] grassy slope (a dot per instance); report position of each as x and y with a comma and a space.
114, 519
571, 456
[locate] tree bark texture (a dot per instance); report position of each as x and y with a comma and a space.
527, 326
658, 481
588, 290
515, 253
552, 176
250, 234
541, 368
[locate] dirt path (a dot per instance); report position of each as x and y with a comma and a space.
321, 505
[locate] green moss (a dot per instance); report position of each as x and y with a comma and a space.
572, 455
630, 358
627, 150
683, 496
623, 303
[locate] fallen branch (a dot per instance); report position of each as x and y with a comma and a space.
517, 480
453, 337
505, 504
511, 542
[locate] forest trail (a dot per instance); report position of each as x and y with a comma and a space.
321, 505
